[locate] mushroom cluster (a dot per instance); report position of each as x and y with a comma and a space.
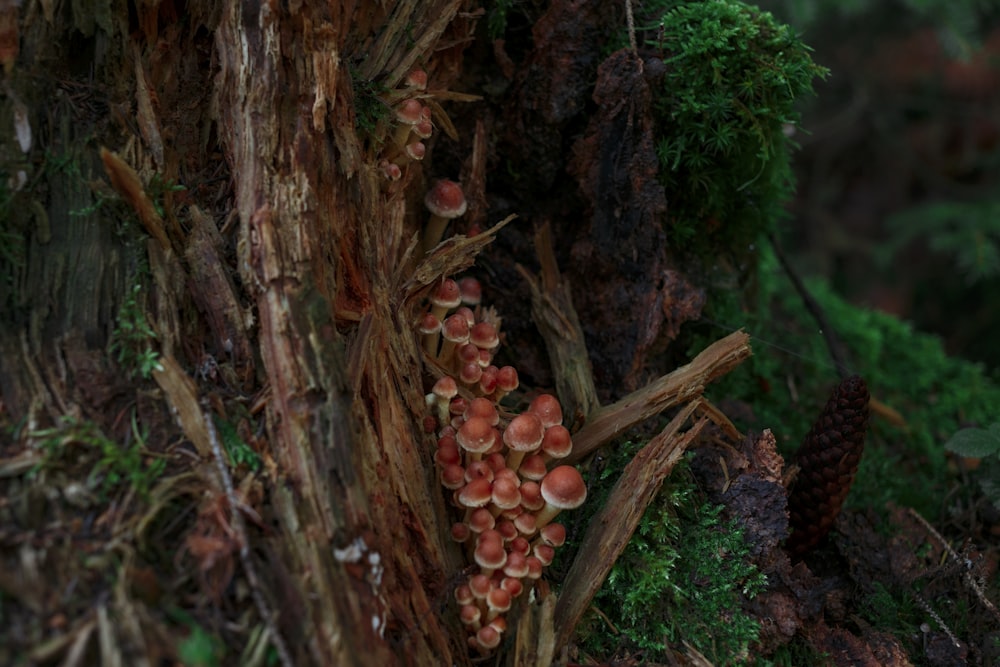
496, 466
413, 126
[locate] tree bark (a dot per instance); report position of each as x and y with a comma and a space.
260, 95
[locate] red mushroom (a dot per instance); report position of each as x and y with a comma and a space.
476, 437
407, 115
562, 489
445, 201
522, 436
557, 443
547, 408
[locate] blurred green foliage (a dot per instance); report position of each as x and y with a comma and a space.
790, 375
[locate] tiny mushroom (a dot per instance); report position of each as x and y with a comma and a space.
475, 436
407, 115
522, 436
547, 408
445, 201
562, 489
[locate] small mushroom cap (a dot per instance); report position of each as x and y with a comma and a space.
547, 408
531, 496
476, 493
498, 600
475, 435
487, 638
483, 407
507, 379
472, 291
506, 494
554, 534
445, 388
446, 199
533, 467
447, 294
484, 335
455, 329
490, 554
564, 488
408, 112
524, 433
557, 442
429, 324
417, 79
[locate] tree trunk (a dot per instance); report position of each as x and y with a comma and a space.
252, 109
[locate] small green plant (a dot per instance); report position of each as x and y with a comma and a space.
981, 443
496, 18
200, 648
370, 111
133, 338
158, 187
112, 463
790, 375
727, 100
240, 453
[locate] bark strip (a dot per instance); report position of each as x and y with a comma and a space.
611, 529
682, 385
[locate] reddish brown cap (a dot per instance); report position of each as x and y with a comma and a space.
507, 379
446, 199
475, 435
490, 554
408, 112
482, 407
447, 294
416, 79
533, 467
553, 534
557, 442
506, 494
564, 488
547, 407
472, 291
476, 493
524, 433
484, 335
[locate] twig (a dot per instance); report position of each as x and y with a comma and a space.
630, 21
553, 313
833, 342
967, 575
679, 386
241, 533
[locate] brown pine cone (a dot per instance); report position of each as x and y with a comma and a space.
827, 459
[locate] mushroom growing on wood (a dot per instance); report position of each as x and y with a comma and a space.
445, 201
563, 489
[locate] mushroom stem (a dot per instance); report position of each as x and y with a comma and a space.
433, 232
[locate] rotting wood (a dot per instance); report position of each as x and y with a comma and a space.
611, 528
554, 315
679, 386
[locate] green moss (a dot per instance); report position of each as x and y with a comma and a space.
728, 96
789, 378
681, 578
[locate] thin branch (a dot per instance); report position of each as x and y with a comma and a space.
833, 342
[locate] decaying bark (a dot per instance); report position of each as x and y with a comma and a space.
314, 328
322, 234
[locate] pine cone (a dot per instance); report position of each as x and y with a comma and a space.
827, 459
